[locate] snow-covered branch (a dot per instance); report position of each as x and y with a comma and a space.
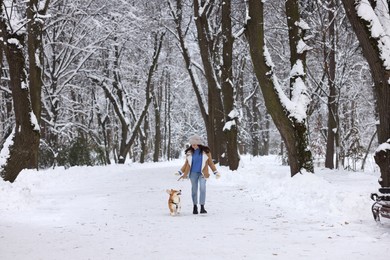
377, 30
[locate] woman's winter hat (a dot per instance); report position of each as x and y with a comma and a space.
195, 139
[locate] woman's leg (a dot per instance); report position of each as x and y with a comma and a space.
202, 189
194, 177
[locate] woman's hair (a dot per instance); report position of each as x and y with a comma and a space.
202, 148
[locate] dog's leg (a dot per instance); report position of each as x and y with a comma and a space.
172, 209
178, 208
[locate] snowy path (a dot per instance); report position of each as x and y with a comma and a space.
120, 212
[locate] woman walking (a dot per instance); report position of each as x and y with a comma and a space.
197, 163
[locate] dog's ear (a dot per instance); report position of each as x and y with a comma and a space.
169, 191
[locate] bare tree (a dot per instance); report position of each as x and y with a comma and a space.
180, 34
117, 95
70, 45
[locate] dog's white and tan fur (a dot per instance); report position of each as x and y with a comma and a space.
174, 201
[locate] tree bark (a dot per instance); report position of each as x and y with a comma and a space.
231, 114
330, 67
35, 53
168, 125
382, 159
265, 136
143, 138
26, 94
255, 119
26, 135
157, 137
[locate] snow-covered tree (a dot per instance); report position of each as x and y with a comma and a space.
337, 77
21, 26
129, 72
371, 22
70, 43
213, 68
288, 114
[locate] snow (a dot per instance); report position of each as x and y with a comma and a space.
16, 23
268, 59
34, 122
383, 147
256, 212
231, 123
4, 152
300, 99
382, 11
297, 69
239, 33
365, 11
234, 114
303, 24
247, 16
15, 42
303, 47
203, 7
37, 59
23, 86
228, 125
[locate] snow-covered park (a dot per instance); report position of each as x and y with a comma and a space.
256, 212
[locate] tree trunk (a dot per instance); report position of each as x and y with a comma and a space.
300, 144
265, 137
255, 126
143, 138
215, 125
231, 114
35, 55
293, 131
157, 137
23, 151
371, 46
167, 128
106, 136
381, 157
26, 94
330, 67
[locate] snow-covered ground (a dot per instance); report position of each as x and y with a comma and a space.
256, 212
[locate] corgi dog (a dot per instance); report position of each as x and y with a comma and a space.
174, 201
